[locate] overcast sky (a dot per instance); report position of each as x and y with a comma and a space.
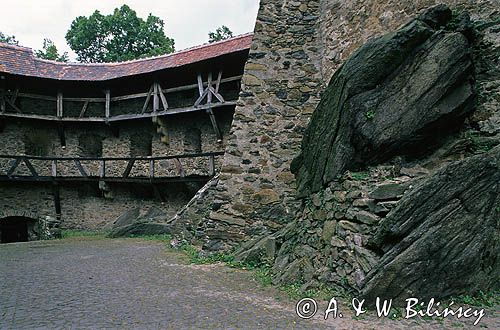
187, 21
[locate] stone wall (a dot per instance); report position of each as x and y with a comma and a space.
280, 90
84, 207
89, 206
297, 47
332, 238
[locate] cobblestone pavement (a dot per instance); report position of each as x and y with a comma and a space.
137, 284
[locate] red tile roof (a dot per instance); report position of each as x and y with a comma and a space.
21, 61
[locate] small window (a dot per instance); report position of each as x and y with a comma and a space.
192, 140
90, 145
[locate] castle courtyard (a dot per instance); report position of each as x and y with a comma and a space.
96, 283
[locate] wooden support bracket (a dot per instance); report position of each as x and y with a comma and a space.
148, 97
30, 167
80, 168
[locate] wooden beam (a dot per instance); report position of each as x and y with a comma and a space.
148, 97
12, 104
80, 167
156, 98
30, 167
151, 169
54, 168
14, 96
200, 84
138, 180
209, 87
59, 105
84, 108
214, 125
179, 167
129, 168
13, 167
217, 95
102, 168
217, 84
211, 165
202, 96
107, 105
108, 159
171, 111
123, 97
163, 98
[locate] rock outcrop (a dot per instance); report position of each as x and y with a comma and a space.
397, 94
140, 222
398, 173
443, 236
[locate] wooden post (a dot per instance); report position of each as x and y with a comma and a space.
108, 102
54, 168
156, 98
151, 169
163, 98
209, 95
148, 97
59, 105
102, 168
200, 84
211, 165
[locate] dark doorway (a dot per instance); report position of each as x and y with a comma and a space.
16, 229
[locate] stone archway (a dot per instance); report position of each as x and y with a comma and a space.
18, 229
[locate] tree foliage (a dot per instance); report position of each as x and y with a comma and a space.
8, 39
221, 33
50, 52
119, 36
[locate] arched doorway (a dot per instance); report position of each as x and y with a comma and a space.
17, 229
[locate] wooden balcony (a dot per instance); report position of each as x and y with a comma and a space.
178, 168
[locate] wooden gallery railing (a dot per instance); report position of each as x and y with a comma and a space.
155, 102
186, 167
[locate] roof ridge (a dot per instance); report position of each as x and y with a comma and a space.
185, 50
23, 48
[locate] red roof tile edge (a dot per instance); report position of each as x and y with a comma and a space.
21, 61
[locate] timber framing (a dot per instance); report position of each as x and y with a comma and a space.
207, 90
119, 173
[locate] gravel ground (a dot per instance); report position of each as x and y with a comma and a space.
136, 284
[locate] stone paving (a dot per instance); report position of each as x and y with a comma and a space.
137, 284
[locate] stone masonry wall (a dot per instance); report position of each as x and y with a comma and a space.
280, 89
327, 243
297, 46
85, 206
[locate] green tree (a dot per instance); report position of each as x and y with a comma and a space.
50, 52
221, 33
116, 37
8, 39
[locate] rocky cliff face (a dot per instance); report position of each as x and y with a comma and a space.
389, 98
398, 171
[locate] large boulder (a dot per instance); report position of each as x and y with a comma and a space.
395, 95
444, 235
140, 221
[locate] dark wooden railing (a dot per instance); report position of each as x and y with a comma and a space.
118, 169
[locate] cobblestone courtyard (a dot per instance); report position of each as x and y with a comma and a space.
138, 284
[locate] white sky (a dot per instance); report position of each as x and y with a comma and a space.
187, 21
